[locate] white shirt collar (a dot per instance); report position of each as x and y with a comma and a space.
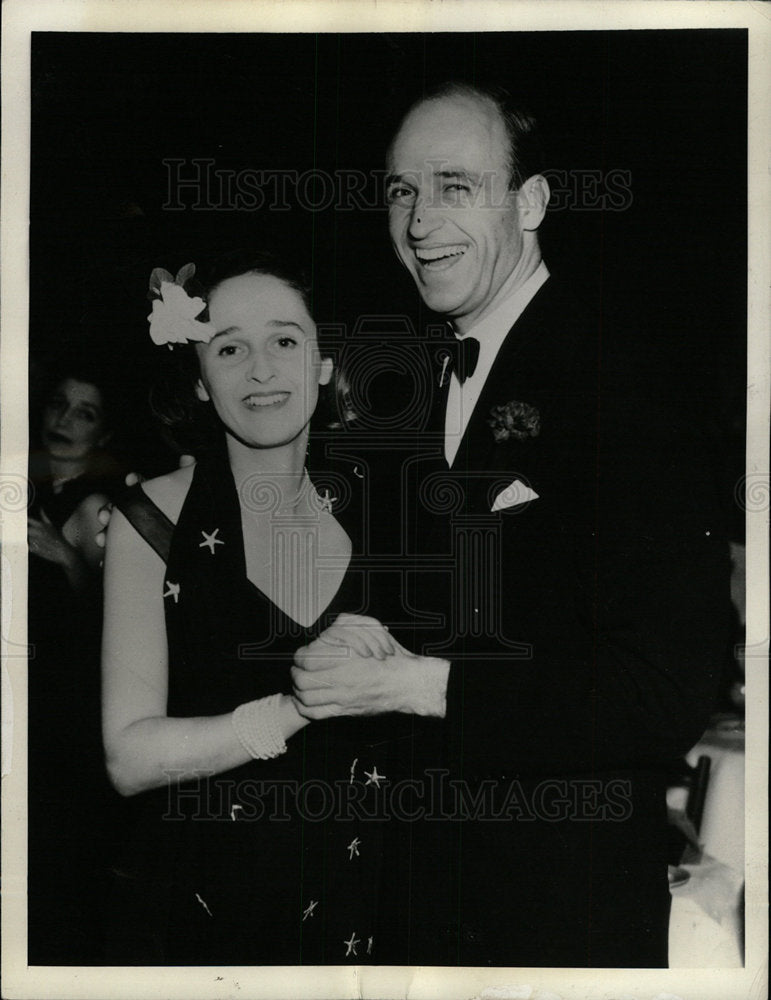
493, 327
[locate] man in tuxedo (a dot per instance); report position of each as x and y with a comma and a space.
570, 588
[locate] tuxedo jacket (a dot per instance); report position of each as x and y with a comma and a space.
586, 627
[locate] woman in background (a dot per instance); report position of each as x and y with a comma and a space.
70, 801
71, 477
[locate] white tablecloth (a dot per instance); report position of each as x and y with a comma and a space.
705, 929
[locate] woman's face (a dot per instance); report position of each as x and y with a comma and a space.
74, 424
262, 369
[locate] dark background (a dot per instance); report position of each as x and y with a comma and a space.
669, 107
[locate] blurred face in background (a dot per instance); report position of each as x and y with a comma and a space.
74, 424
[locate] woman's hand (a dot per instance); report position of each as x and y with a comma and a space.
329, 682
365, 636
48, 543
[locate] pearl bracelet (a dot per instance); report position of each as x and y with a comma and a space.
257, 727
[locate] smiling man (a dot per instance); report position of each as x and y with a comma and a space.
464, 231
577, 568
465, 203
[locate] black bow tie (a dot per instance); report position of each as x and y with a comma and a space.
461, 356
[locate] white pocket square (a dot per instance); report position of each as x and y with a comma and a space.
514, 494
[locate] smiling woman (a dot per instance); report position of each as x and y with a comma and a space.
262, 368
215, 575
180, 398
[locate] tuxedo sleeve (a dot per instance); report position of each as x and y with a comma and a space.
620, 594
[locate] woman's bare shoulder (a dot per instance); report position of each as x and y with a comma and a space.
169, 491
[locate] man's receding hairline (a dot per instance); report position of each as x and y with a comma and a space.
462, 93
456, 92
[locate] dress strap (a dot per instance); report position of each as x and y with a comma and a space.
147, 518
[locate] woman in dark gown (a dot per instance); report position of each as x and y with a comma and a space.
258, 835
71, 478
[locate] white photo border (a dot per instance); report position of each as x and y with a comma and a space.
20, 18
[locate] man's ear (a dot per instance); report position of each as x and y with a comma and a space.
325, 370
200, 391
532, 199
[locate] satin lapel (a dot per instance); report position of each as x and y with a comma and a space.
509, 379
432, 474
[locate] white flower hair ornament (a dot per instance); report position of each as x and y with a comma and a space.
173, 319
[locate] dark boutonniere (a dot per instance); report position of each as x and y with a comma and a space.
514, 420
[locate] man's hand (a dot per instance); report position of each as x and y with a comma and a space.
365, 636
337, 680
131, 479
105, 513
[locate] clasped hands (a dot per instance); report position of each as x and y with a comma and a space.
355, 667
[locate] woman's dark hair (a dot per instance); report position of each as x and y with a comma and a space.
211, 274
190, 424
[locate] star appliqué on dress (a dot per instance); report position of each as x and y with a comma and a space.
351, 944
353, 769
353, 847
327, 501
173, 591
308, 911
210, 540
374, 778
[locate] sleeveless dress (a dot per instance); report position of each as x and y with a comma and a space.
275, 862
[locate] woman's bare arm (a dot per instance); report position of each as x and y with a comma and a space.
144, 747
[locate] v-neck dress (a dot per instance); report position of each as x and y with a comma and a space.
274, 862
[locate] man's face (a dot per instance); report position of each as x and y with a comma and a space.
454, 223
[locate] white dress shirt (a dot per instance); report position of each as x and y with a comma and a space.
490, 332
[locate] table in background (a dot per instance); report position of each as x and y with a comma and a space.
696, 938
